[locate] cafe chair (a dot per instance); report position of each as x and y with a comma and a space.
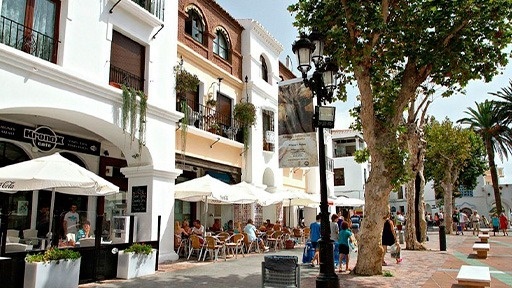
275, 240
195, 245
250, 245
213, 247
235, 243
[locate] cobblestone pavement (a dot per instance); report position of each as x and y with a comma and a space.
429, 269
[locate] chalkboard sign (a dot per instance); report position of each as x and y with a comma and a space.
139, 199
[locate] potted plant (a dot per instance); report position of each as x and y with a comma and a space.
245, 115
53, 268
214, 128
185, 82
135, 261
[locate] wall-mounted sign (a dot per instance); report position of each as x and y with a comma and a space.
45, 139
139, 199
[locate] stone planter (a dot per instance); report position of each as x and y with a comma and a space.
131, 265
57, 274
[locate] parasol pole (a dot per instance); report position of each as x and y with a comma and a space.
289, 212
52, 207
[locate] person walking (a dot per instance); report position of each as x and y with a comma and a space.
475, 221
315, 236
456, 222
495, 224
388, 236
335, 231
504, 224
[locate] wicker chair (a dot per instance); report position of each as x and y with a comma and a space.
212, 246
195, 245
235, 243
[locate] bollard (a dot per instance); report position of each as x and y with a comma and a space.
442, 238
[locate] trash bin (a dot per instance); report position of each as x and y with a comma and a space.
280, 271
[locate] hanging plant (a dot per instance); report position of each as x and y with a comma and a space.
133, 114
245, 115
185, 82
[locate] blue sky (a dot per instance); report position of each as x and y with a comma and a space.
273, 15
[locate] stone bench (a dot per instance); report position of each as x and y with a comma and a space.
474, 276
485, 231
484, 238
481, 249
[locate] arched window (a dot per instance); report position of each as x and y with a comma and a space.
264, 69
220, 45
194, 26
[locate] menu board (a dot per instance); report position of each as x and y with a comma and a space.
139, 199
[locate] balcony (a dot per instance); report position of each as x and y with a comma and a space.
155, 7
120, 76
207, 119
27, 40
329, 164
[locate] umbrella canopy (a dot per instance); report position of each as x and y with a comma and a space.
348, 202
263, 197
297, 198
212, 190
56, 173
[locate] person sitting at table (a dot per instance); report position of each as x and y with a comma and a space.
197, 228
179, 231
186, 228
216, 226
228, 226
85, 232
238, 228
268, 225
251, 231
277, 226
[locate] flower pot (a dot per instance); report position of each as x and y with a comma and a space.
115, 84
58, 273
131, 265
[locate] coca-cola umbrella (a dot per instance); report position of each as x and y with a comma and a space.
54, 173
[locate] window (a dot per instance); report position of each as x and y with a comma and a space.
401, 192
344, 148
194, 26
127, 61
339, 177
220, 45
268, 130
224, 110
464, 192
31, 26
264, 69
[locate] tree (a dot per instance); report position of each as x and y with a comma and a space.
390, 49
505, 106
488, 122
448, 149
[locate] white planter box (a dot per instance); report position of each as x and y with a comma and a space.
131, 265
56, 274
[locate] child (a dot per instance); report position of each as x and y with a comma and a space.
343, 241
396, 253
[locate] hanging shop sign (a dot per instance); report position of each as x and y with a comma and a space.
45, 139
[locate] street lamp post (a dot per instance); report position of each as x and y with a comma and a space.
322, 84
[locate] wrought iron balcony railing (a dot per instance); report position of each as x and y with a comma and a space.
207, 119
23, 38
155, 7
329, 164
120, 76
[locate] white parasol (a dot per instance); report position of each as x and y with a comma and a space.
348, 202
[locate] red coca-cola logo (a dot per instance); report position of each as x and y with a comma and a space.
7, 185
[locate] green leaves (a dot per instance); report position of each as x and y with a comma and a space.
53, 254
139, 249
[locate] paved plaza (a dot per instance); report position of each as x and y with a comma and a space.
432, 268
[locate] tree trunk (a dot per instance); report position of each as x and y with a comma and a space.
494, 178
411, 242
371, 254
447, 185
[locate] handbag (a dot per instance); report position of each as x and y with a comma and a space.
395, 251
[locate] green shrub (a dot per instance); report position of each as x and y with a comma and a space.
387, 273
139, 249
53, 254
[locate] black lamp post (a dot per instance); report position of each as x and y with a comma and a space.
322, 84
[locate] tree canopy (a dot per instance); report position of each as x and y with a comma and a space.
395, 50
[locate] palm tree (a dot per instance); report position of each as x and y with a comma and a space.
506, 105
488, 121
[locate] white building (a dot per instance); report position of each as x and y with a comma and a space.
349, 176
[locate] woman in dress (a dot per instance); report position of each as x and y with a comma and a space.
503, 224
388, 236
